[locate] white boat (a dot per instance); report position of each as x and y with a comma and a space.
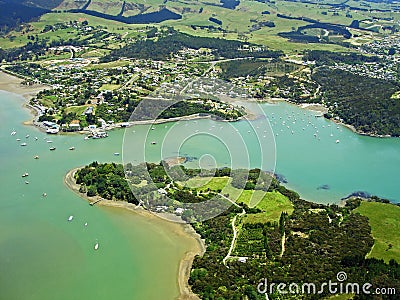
44, 195
85, 224
36, 138
36, 157
52, 130
13, 133
72, 148
337, 141
49, 141
18, 140
70, 218
153, 143
96, 246
116, 153
27, 136
23, 144
25, 174
26, 182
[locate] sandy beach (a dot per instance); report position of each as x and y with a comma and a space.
180, 229
13, 84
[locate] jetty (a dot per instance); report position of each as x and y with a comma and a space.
94, 202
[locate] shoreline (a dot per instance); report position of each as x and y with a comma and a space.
318, 107
185, 264
13, 84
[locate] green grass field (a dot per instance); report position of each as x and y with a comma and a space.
271, 203
109, 87
385, 224
78, 110
237, 22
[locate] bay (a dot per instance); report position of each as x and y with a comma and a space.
46, 257
43, 256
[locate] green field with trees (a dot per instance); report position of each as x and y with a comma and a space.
282, 248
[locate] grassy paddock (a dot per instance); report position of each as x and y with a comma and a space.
385, 224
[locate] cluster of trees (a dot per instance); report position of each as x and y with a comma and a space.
321, 240
34, 49
106, 180
14, 13
324, 57
364, 102
254, 68
145, 18
254, 179
260, 25
173, 41
162, 109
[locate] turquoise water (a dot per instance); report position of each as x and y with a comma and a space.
42, 255
46, 257
290, 140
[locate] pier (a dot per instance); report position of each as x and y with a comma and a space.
94, 202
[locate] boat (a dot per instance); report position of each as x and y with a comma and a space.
18, 140
52, 130
96, 246
13, 133
36, 157
85, 224
49, 141
26, 182
23, 144
153, 143
70, 218
27, 136
25, 174
337, 141
71, 148
36, 138
52, 148
116, 153
44, 194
